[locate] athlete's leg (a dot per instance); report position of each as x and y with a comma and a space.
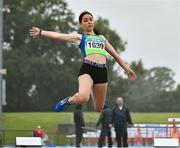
85, 87
99, 95
81, 97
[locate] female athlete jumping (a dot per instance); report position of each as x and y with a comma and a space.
93, 72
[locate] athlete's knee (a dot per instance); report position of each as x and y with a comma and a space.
83, 98
98, 108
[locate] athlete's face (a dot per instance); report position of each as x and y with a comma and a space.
87, 22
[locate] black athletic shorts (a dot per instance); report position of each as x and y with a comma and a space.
98, 72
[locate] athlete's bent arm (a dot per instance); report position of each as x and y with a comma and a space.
75, 38
110, 49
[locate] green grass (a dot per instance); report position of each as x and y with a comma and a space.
153, 117
50, 122
28, 121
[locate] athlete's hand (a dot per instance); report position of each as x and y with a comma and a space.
131, 74
34, 31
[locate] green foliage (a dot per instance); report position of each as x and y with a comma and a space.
50, 121
39, 70
138, 67
145, 94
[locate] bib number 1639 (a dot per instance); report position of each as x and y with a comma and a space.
95, 45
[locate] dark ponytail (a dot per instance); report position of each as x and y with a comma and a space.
96, 31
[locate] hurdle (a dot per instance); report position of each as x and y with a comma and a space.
169, 142
28, 142
166, 142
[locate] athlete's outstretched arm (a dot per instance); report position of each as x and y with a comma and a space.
34, 32
110, 49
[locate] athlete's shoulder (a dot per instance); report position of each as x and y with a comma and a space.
83, 35
103, 37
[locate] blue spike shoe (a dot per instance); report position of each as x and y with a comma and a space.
62, 104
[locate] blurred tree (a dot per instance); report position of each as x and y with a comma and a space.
174, 103
41, 69
145, 94
170, 100
138, 67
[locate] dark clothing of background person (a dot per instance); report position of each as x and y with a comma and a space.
120, 119
105, 121
79, 123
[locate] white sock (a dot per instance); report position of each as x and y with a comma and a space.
69, 99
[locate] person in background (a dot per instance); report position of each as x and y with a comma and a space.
38, 132
105, 121
79, 124
121, 119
